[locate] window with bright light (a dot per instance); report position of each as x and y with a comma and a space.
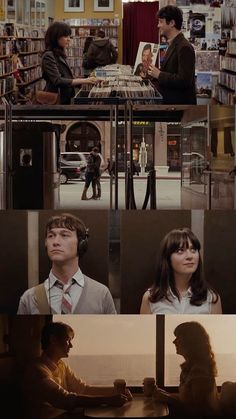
221, 330
110, 347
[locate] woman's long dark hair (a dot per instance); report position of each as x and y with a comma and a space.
175, 239
197, 347
55, 31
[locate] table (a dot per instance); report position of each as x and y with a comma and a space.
139, 407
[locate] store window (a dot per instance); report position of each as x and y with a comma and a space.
142, 131
194, 156
83, 136
173, 147
119, 347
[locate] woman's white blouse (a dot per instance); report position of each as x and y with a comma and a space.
182, 306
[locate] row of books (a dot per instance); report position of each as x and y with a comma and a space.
228, 16
38, 22
7, 85
27, 60
225, 96
6, 47
93, 22
29, 75
74, 52
9, 29
109, 32
27, 45
228, 63
82, 32
74, 62
232, 47
228, 80
6, 66
77, 42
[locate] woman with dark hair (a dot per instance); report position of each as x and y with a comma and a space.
197, 389
55, 69
180, 286
140, 71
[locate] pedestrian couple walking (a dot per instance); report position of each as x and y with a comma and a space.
92, 175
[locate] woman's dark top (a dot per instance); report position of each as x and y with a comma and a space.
197, 390
58, 76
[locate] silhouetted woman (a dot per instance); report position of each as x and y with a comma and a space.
55, 69
180, 286
197, 389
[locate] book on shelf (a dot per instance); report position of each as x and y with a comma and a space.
7, 85
231, 47
228, 63
228, 80
93, 22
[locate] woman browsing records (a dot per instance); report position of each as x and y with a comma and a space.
55, 69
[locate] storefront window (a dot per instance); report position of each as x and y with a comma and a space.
116, 348
194, 156
142, 131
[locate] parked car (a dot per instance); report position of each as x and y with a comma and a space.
73, 159
68, 173
73, 165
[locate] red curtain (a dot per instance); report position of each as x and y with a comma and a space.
139, 24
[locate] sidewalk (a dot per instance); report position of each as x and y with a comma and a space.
167, 191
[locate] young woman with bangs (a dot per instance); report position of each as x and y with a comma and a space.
180, 287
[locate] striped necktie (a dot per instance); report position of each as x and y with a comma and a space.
66, 301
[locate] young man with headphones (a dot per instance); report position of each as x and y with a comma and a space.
67, 290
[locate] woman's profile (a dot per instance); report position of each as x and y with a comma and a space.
180, 286
55, 69
197, 393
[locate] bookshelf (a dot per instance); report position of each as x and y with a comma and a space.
22, 30
29, 51
20, 64
81, 29
7, 65
227, 82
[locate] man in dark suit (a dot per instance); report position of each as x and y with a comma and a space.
176, 77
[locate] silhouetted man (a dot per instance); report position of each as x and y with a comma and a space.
51, 389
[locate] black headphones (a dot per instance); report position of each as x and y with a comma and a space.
82, 236
83, 242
